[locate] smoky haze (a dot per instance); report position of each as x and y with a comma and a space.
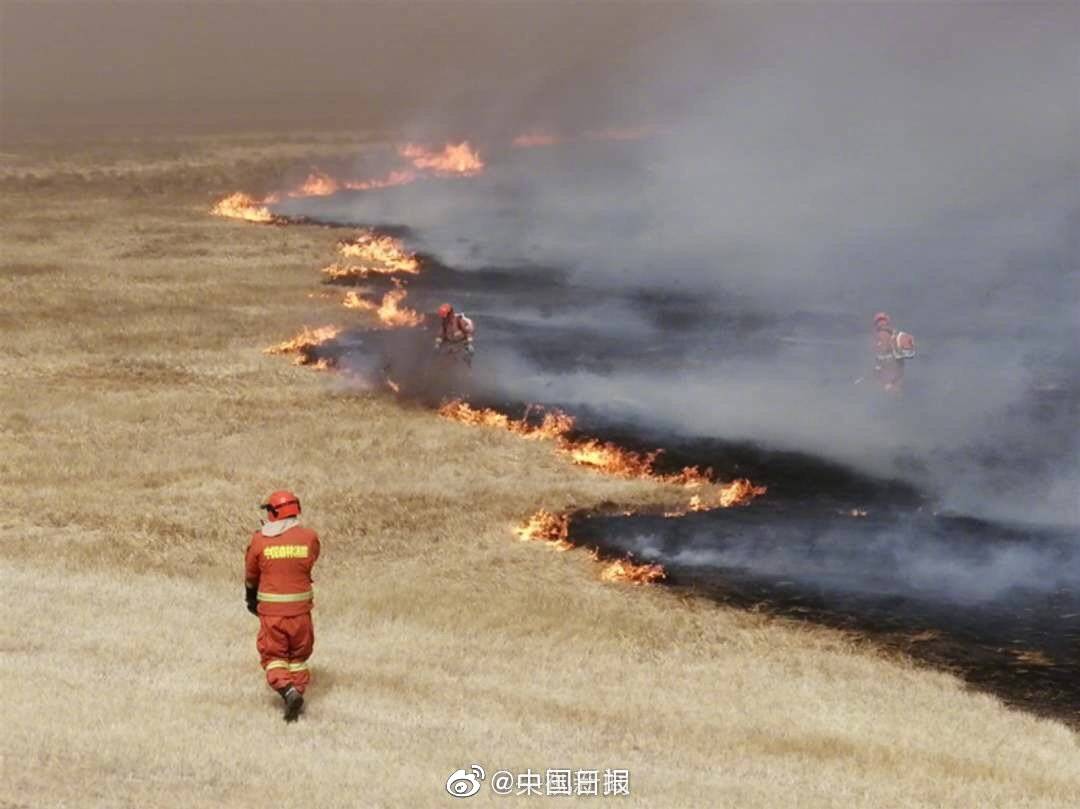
809, 165
832, 162
162, 67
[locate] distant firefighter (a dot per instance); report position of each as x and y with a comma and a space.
278, 589
455, 330
891, 349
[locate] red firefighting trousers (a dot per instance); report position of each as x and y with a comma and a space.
285, 643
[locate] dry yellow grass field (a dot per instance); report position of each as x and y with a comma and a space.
141, 426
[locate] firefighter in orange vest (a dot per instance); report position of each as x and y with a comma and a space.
277, 569
892, 348
455, 330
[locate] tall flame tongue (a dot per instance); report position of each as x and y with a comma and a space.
393, 314
304, 344
381, 253
242, 206
390, 311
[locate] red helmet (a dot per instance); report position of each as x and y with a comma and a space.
882, 319
282, 504
445, 311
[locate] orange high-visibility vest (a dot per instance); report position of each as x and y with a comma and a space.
280, 567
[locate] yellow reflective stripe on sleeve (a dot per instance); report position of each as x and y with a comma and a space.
298, 666
277, 664
282, 598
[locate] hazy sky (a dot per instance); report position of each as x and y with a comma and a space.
184, 65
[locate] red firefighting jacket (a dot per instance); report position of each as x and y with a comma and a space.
457, 329
280, 567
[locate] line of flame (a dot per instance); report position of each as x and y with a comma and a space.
607, 457
554, 531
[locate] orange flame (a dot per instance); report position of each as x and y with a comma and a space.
386, 251
393, 314
460, 158
401, 177
455, 160
242, 206
739, 492
554, 531
608, 458
554, 425
353, 301
303, 344
390, 311
626, 571
544, 526
317, 184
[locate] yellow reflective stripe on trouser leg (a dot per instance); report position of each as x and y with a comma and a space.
298, 666
277, 664
282, 598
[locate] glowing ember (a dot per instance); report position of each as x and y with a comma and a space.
543, 526
303, 344
626, 571
382, 254
242, 206
459, 159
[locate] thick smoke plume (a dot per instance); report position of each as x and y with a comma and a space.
804, 168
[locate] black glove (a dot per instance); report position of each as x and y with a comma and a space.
251, 596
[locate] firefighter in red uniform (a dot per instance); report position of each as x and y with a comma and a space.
892, 348
455, 330
277, 569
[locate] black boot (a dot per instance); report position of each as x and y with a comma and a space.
294, 703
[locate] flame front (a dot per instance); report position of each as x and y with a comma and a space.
544, 526
554, 530
317, 184
455, 159
304, 344
555, 424
626, 571
243, 206
609, 458
352, 300
382, 254
393, 314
